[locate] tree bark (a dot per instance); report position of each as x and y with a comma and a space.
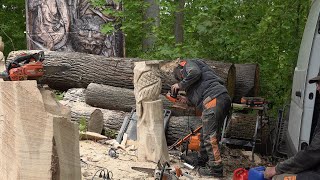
247, 81
115, 98
152, 18
118, 72
178, 25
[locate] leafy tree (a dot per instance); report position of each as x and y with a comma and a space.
267, 32
12, 26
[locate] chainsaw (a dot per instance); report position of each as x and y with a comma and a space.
29, 67
253, 101
179, 101
164, 172
192, 139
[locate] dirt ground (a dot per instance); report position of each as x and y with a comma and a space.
95, 156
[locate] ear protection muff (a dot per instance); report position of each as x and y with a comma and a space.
182, 63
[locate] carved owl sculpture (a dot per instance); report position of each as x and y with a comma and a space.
147, 83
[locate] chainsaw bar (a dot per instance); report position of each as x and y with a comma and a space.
149, 171
49, 70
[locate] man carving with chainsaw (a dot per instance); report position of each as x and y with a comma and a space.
205, 90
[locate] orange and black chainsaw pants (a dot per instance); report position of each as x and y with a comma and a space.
214, 112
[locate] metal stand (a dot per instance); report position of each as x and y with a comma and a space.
249, 143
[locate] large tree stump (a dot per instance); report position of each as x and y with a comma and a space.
152, 145
35, 144
115, 98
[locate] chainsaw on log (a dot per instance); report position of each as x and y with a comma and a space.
29, 67
192, 139
253, 101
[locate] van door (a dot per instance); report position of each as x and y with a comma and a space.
303, 93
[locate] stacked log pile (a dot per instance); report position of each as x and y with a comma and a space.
108, 84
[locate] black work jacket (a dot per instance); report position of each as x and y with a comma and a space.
200, 81
307, 159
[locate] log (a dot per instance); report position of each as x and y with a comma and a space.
113, 119
227, 72
180, 126
36, 144
96, 121
115, 98
75, 99
247, 81
118, 72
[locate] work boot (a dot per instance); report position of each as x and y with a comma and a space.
190, 159
194, 160
215, 171
202, 161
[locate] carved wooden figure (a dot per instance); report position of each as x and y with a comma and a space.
72, 25
152, 145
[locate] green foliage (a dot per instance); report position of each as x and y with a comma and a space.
266, 32
110, 133
59, 95
12, 25
82, 125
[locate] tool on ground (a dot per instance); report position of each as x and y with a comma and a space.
129, 125
193, 139
189, 166
113, 153
240, 174
104, 174
163, 171
29, 66
253, 101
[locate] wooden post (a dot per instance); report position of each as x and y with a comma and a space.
152, 145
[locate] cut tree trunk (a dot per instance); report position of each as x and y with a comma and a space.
113, 119
115, 98
240, 79
36, 144
118, 72
247, 81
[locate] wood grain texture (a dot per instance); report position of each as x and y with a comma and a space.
117, 72
247, 81
115, 98
32, 147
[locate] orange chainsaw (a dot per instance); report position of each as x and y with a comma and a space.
253, 101
29, 67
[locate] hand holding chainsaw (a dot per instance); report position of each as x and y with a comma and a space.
179, 100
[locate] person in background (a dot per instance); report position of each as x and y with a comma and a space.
305, 165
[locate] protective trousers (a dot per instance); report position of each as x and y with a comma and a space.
214, 112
